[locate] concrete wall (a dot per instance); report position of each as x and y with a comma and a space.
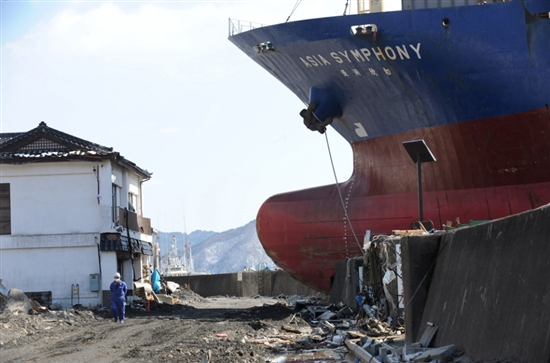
240, 284
233, 284
490, 293
347, 282
52, 263
418, 255
281, 283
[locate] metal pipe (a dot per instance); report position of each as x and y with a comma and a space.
130, 244
419, 170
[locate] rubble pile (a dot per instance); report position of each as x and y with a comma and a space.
19, 326
22, 318
187, 296
283, 329
342, 334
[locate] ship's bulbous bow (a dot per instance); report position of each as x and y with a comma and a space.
306, 232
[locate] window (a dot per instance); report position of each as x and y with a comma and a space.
5, 209
114, 203
132, 202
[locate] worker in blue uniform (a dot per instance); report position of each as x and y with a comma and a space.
118, 298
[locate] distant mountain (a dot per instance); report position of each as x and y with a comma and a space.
195, 238
225, 252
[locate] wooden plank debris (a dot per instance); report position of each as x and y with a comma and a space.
167, 299
145, 291
291, 329
408, 232
356, 334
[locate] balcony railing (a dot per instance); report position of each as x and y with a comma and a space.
135, 223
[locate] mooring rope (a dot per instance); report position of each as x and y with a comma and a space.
293, 10
346, 8
344, 207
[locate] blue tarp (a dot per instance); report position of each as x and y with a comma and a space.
155, 280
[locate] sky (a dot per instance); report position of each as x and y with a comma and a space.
161, 83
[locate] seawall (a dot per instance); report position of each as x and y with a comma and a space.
241, 284
486, 287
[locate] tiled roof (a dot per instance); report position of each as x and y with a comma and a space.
46, 144
8, 135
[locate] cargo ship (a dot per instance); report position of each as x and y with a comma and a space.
469, 78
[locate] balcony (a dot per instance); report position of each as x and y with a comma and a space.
135, 223
121, 244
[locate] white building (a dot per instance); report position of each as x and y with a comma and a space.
65, 205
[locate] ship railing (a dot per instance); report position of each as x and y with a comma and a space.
237, 26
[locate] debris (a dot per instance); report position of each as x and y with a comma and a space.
428, 335
56, 306
440, 353
408, 232
207, 358
18, 302
356, 334
318, 331
327, 315
166, 299
172, 286
277, 328
360, 352
3, 290
37, 307
339, 339
331, 328
145, 291
291, 329
316, 310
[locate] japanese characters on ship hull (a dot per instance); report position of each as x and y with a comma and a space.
346, 60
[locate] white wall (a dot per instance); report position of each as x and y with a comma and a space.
116, 176
48, 198
134, 188
51, 263
62, 197
108, 268
105, 202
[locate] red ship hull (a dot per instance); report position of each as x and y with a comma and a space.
485, 169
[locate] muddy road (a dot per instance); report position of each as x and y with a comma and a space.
196, 329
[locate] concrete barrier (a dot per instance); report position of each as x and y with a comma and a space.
418, 257
346, 284
244, 284
490, 293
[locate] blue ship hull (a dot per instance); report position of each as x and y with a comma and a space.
472, 81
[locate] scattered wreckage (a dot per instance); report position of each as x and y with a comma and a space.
315, 330
338, 334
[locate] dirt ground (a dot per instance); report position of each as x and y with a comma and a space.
196, 329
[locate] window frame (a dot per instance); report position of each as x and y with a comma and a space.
5, 209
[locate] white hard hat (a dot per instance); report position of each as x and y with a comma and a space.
117, 276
